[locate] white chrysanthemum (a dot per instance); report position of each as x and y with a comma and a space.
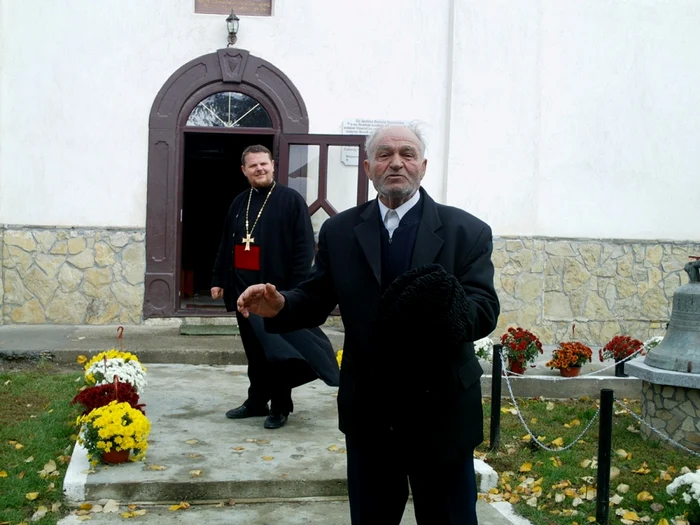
127, 371
484, 348
652, 342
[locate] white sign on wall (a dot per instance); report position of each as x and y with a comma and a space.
360, 126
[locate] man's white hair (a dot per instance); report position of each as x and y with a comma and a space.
414, 127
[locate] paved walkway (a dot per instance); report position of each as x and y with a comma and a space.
295, 474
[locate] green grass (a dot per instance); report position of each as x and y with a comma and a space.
36, 426
555, 467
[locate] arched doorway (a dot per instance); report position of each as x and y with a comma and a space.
201, 94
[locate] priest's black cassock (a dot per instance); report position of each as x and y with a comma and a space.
284, 247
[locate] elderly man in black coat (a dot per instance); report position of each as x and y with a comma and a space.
414, 282
267, 237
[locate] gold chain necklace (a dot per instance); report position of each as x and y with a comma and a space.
248, 239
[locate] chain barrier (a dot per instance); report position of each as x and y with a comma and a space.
581, 376
660, 434
533, 436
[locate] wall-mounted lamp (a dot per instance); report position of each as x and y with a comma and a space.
232, 25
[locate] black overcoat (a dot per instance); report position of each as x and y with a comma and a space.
286, 237
441, 417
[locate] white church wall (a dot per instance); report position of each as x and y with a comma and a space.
577, 119
75, 126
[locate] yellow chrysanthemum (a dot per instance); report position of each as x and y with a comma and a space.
116, 426
111, 354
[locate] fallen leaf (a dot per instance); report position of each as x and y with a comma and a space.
574, 423
238, 449
525, 467
48, 470
111, 506
630, 515
268, 458
333, 448
29, 459
559, 497
644, 496
19, 446
643, 469
85, 506
156, 467
180, 506
31, 496
577, 502
40, 512
196, 473
556, 462
550, 406
657, 507
559, 442
192, 441
663, 521
614, 472
81, 359
55, 507
621, 452
21, 475
194, 455
616, 499
3, 474
585, 463
533, 420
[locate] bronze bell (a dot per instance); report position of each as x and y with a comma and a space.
680, 349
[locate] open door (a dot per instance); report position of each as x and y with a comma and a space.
326, 169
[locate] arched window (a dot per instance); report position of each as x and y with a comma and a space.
229, 109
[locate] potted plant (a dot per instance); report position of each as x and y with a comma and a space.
619, 348
652, 342
105, 366
569, 357
521, 347
483, 348
98, 396
112, 432
690, 493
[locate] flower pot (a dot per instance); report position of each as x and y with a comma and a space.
114, 457
620, 370
517, 367
570, 372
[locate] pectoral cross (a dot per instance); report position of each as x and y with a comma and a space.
247, 240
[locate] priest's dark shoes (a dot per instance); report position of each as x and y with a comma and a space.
275, 420
244, 411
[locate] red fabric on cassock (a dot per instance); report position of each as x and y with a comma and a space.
246, 260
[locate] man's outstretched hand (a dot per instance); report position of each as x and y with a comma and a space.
260, 299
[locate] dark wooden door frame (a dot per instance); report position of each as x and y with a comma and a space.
324, 141
226, 70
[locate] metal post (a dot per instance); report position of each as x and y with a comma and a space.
602, 507
496, 370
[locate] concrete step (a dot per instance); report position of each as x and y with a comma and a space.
289, 512
197, 455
